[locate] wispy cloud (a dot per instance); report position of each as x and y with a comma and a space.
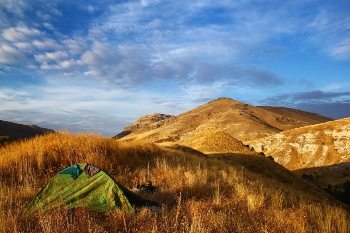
330, 31
316, 95
331, 104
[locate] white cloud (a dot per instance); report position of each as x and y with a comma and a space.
341, 50
48, 26
330, 32
23, 45
14, 6
91, 9
46, 43
146, 3
75, 46
66, 64
50, 56
19, 33
9, 54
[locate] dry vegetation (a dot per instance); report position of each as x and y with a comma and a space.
223, 193
213, 141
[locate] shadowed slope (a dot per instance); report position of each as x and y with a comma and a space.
334, 179
18, 131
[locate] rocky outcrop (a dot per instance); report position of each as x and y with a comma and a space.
311, 146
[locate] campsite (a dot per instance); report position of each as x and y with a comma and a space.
174, 116
197, 193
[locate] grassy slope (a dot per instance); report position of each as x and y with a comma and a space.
219, 193
212, 141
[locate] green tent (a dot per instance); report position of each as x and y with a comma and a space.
84, 185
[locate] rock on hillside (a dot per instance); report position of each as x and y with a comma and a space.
239, 120
311, 146
145, 123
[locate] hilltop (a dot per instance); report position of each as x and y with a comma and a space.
310, 146
237, 120
199, 193
145, 123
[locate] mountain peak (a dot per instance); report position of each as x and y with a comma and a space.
223, 99
238, 120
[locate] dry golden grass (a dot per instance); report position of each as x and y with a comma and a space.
223, 193
214, 141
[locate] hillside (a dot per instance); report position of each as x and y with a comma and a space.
214, 142
334, 179
236, 119
311, 118
10, 130
145, 123
310, 146
199, 193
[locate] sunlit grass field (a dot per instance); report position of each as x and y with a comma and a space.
198, 193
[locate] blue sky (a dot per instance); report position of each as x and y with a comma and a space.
99, 65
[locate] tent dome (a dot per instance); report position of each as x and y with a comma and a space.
84, 185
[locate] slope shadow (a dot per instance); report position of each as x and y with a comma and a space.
334, 179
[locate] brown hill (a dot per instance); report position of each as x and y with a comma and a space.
10, 130
145, 123
215, 142
241, 121
300, 115
311, 146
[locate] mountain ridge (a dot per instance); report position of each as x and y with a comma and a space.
241, 121
13, 130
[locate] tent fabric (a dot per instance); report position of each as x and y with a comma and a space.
72, 187
91, 170
74, 171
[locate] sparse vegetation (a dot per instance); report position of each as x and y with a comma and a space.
218, 193
4, 140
